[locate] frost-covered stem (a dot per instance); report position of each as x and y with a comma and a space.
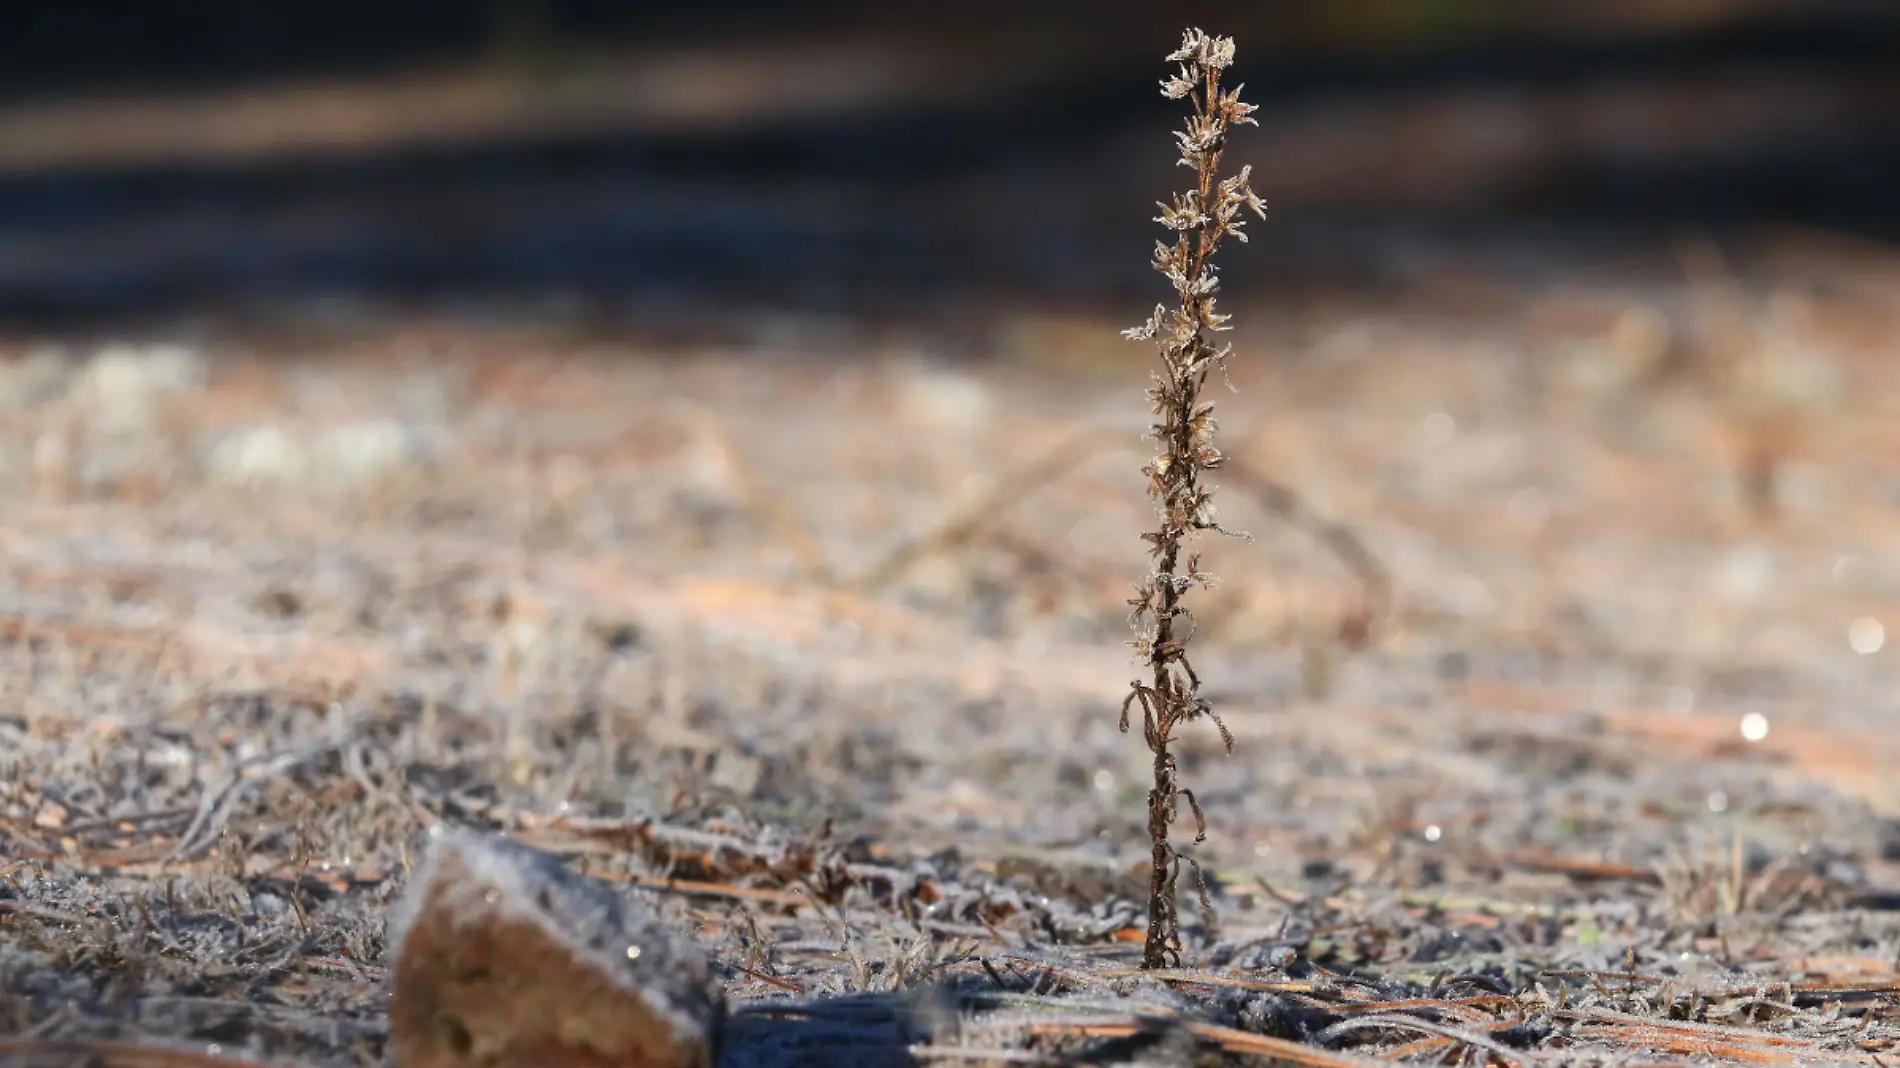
1184, 429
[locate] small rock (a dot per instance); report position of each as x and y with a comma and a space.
503, 956
356, 452
34, 379
257, 454
340, 456
122, 384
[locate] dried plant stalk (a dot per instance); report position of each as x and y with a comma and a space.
1184, 430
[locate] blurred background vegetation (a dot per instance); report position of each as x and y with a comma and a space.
662, 162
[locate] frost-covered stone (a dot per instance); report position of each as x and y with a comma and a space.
33, 379
343, 456
503, 956
122, 384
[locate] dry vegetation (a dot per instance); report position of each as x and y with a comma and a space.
834, 690
1184, 430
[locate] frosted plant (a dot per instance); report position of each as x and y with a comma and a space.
1199, 219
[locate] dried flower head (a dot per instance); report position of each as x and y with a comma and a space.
1199, 218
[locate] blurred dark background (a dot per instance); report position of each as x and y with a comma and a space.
663, 162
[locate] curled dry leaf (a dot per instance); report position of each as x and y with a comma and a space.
503, 956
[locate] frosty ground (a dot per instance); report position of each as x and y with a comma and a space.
1558, 664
